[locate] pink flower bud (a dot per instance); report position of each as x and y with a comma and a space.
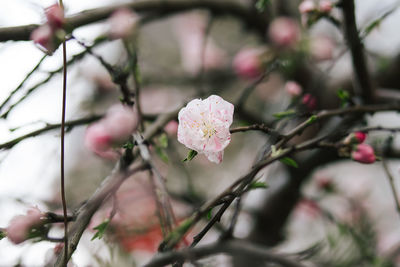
360, 136
293, 88
321, 48
20, 225
120, 122
310, 102
247, 63
116, 127
325, 6
364, 154
43, 38
55, 16
284, 32
122, 23
306, 6
171, 128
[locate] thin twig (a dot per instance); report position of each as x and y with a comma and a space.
392, 185
232, 247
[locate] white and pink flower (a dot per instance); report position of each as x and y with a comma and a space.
18, 230
204, 126
55, 16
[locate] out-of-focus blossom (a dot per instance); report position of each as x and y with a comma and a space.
355, 138
43, 38
293, 88
204, 126
321, 48
284, 32
116, 127
198, 52
248, 64
309, 101
364, 153
122, 23
55, 16
171, 128
306, 6
18, 230
325, 6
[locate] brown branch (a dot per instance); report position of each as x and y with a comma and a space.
49, 127
256, 127
362, 80
232, 247
160, 7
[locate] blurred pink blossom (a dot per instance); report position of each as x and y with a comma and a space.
360, 136
171, 128
355, 138
204, 126
309, 101
364, 153
293, 88
325, 6
43, 37
122, 23
55, 16
306, 6
247, 63
321, 48
284, 32
116, 127
20, 225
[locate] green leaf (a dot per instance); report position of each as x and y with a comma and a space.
283, 114
312, 119
101, 228
209, 214
163, 141
261, 4
256, 185
2, 235
372, 26
344, 96
128, 145
162, 154
290, 162
190, 155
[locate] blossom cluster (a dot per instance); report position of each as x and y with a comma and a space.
361, 152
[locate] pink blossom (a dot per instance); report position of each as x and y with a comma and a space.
55, 16
122, 23
247, 63
204, 126
309, 101
325, 6
364, 153
20, 225
355, 138
43, 37
284, 32
293, 88
171, 128
116, 127
306, 6
321, 48
360, 136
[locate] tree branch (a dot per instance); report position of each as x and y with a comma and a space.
160, 7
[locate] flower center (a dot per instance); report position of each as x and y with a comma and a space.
208, 130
